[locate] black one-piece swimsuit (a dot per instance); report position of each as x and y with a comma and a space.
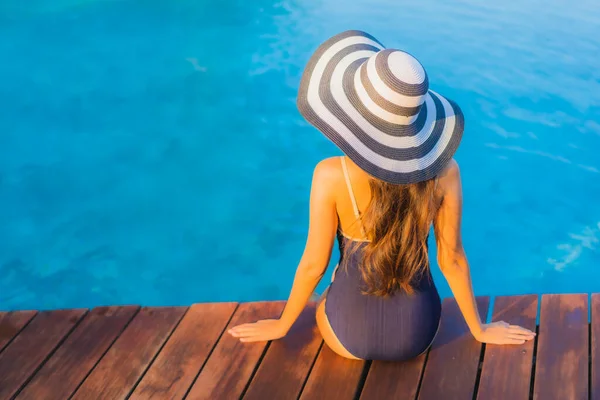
398, 327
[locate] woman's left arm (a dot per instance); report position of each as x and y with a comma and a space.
313, 264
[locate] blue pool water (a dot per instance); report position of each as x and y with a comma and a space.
151, 151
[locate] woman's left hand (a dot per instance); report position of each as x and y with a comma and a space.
259, 331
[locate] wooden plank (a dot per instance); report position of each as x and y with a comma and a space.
333, 377
595, 346
288, 361
561, 370
74, 359
506, 372
11, 324
231, 364
451, 369
393, 380
176, 367
32, 346
125, 362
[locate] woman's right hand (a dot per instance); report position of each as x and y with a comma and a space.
503, 333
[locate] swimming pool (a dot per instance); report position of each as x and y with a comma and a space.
151, 152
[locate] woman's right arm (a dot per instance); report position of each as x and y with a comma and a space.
455, 267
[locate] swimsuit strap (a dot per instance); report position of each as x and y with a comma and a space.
352, 198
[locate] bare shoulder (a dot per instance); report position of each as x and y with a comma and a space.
451, 171
328, 171
326, 179
449, 178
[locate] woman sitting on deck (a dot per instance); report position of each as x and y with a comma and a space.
397, 178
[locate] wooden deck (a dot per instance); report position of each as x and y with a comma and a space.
180, 352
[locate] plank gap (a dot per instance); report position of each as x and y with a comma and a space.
362, 379
210, 352
310, 370
106, 351
218, 379
533, 359
453, 363
50, 354
283, 371
132, 389
590, 366
479, 369
18, 332
333, 376
562, 348
260, 359
535, 346
484, 356
422, 373
594, 336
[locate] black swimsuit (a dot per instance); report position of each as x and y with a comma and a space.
371, 327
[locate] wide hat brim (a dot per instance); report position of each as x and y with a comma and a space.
393, 152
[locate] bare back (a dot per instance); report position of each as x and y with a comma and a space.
360, 187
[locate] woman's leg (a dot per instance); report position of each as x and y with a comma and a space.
327, 332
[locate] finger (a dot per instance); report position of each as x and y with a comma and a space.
517, 328
243, 331
507, 340
241, 326
523, 332
253, 339
246, 334
519, 337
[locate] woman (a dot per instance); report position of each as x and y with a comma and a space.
396, 180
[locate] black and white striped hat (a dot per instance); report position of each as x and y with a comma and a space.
376, 106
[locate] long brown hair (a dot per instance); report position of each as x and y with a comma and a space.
397, 221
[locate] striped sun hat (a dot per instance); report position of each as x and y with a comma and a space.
375, 105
